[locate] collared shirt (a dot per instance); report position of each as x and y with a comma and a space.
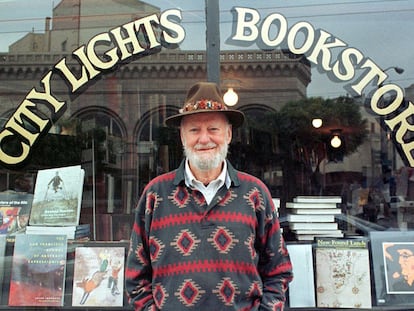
211, 189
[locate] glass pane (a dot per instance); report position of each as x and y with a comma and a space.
289, 64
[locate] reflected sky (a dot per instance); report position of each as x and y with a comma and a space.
381, 30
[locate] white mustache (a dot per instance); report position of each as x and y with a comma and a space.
205, 146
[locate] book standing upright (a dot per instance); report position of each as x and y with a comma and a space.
343, 277
393, 266
38, 270
302, 288
98, 276
57, 202
57, 197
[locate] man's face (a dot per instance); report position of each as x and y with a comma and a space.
205, 138
406, 261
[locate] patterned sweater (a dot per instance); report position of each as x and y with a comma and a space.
187, 255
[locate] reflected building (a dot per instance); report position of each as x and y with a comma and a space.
115, 128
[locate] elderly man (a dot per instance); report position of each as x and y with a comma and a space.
206, 236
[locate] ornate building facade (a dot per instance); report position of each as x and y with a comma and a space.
115, 128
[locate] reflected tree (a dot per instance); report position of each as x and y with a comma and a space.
303, 147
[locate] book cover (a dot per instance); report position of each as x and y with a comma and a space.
14, 212
98, 276
57, 197
302, 288
342, 273
38, 270
393, 266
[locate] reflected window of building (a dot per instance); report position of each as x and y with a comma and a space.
158, 146
103, 148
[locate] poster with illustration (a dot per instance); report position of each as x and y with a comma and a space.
98, 276
393, 267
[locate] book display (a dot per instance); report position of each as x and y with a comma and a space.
47, 271
53, 263
311, 217
38, 270
393, 265
98, 276
342, 273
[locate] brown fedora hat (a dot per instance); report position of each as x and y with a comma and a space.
205, 97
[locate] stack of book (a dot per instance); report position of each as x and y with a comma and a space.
57, 203
311, 217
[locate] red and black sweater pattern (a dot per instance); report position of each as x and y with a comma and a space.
186, 254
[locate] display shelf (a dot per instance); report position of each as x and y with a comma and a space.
72, 245
5, 308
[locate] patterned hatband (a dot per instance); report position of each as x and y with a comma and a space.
203, 104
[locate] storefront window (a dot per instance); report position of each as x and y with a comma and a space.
289, 64
327, 90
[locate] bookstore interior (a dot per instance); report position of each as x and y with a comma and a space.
326, 89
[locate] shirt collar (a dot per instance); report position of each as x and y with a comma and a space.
178, 174
190, 178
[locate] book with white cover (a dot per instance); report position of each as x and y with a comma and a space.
310, 218
314, 226
317, 199
316, 211
318, 232
57, 197
276, 202
311, 237
302, 288
311, 205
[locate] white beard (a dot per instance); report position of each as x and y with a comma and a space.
205, 163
